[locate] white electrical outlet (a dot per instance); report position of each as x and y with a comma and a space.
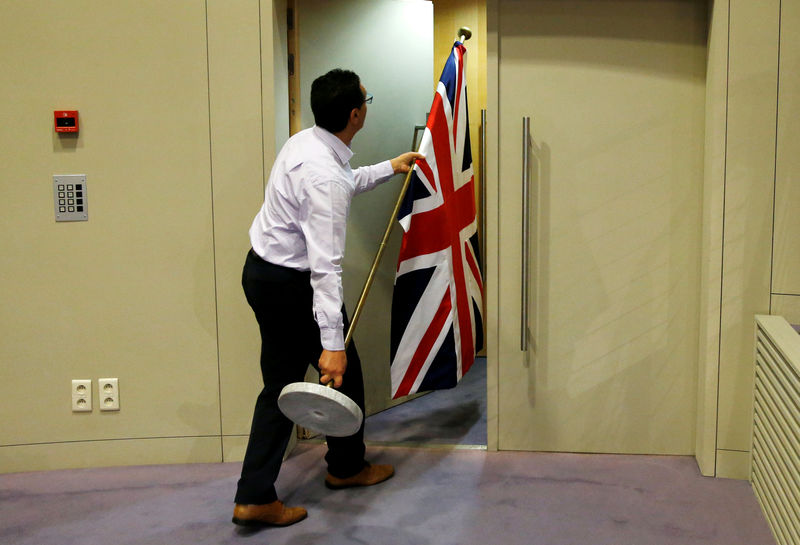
108, 394
81, 396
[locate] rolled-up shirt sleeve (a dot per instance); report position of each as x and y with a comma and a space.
323, 220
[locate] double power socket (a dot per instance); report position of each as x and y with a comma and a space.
107, 390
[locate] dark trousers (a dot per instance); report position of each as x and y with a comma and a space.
282, 300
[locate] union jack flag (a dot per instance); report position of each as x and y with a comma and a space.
437, 325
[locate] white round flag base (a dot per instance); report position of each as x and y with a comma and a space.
320, 408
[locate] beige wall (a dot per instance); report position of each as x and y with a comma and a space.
711, 257
176, 105
242, 134
786, 250
750, 227
749, 178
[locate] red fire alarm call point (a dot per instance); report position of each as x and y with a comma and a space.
66, 120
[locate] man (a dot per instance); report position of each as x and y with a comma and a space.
292, 281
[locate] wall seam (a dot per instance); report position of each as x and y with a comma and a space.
722, 251
214, 235
496, 16
775, 163
261, 94
209, 436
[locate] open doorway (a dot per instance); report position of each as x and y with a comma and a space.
389, 43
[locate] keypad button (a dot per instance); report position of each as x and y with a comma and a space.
61, 187
60, 194
61, 202
80, 209
62, 209
70, 201
69, 187
79, 193
70, 208
79, 187
78, 201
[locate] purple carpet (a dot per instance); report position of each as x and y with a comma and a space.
438, 496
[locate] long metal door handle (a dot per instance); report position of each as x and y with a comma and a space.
483, 195
523, 337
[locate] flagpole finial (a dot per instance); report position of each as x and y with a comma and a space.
464, 34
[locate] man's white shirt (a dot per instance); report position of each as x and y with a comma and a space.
303, 220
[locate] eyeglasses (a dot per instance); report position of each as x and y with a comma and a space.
368, 99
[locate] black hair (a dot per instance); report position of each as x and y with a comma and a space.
333, 97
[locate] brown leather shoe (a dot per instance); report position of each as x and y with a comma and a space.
268, 514
366, 477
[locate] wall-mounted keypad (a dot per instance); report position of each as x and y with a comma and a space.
70, 198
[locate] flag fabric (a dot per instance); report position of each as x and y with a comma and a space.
437, 304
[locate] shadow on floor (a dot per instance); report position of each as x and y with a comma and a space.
451, 417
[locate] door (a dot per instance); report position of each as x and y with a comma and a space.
615, 95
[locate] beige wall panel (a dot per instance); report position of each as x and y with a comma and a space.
733, 464
448, 17
711, 257
234, 447
130, 293
748, 208
616, 93
787, 306
237, 152
786, 265
81, 454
